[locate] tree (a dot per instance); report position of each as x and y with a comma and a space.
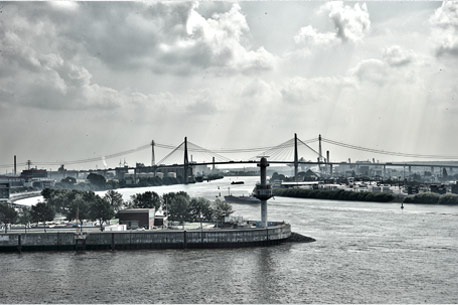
101, 210
146, 200
68, 181
178, 208
79, 207
97, 180
200, 209
8, 215
25, 217
221, 209
114, 199
42, 212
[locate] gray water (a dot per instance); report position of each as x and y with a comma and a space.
364, 253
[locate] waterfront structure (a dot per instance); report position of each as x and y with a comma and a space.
263, 191
276, 233
137, 218
4, 191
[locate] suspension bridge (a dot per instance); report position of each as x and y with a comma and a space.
188, 155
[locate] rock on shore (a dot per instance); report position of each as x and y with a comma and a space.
298, 238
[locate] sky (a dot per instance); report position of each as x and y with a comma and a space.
88, 79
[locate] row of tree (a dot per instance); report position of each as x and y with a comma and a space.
80, 205
96, 182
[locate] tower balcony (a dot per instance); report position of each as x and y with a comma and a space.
263, 192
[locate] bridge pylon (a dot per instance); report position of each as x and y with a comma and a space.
296, 159
152, 153
186, 161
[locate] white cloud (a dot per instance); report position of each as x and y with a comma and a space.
445, 21
397, 56
351, 23
308, 35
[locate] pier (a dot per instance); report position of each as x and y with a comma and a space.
275, 233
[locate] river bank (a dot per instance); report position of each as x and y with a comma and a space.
342, 195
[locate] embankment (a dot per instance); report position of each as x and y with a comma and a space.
163, 239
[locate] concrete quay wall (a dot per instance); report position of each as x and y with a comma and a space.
165, 239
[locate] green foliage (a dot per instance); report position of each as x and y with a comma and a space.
433, 198
60, 199
42, 212
97, 180
146, 200
25, 216
334, 195
8, 215
448, 199
101, 210
114, 199
178, 207
200, 209
68, 181
78, 209
112, 184
221, 209
428, 198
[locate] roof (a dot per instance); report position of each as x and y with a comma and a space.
135, 211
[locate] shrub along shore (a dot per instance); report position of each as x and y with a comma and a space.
334, 195
423, 198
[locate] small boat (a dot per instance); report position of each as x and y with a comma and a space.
241, 199
237, 182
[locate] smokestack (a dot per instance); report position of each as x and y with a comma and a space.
373, 160
15, 168
327, 156
349, 160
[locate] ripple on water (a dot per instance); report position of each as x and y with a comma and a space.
364, 253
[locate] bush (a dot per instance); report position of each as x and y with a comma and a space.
429, 198
334, 195
449, 199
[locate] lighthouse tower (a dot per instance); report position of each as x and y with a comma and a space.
263, 191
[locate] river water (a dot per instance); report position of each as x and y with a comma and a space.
364, 253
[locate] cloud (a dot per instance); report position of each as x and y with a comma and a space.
396, 56
372, 70
351, 23
308, 35
52, 54
163, 37
445, 21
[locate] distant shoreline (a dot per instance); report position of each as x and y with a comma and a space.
343, 195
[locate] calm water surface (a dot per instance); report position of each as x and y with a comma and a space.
364, 253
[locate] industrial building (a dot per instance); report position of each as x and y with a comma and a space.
137, 218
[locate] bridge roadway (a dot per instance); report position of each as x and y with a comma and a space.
386, 164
